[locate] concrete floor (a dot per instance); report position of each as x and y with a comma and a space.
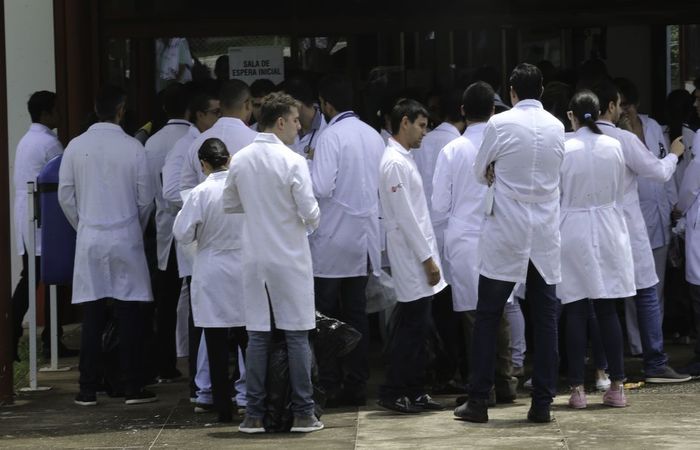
658, 417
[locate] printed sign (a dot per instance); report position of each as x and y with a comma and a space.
253, 63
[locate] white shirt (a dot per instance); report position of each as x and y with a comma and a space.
172, 167
37, 147
234, 134
410, 237
106, 194
157, 147
596, 257
527, 145
689, 205
272, 186
345, 175
656, 199
217, 288
639, 162
458, 195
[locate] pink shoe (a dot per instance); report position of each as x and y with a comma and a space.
615, 398
578, 398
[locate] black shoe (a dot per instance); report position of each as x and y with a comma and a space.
427, 403
143, 396
539, 415
462, 399
169, 377
84, 399
668, 375
401, 405
473, 411
203, 408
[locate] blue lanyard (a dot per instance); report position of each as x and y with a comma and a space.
345, 116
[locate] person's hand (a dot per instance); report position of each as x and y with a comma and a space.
676, 214
677, 147
491, 173
432, 271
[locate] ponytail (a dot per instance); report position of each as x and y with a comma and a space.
585, 107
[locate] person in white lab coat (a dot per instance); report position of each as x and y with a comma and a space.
415, 263
236, 108
310, 117
519, 243
458, 195
259, 89
271, 185
640, 162
37, 147
345, 177
204, 111
656, 198
445, 320
107, 196
217, 299
596, 263
167, 282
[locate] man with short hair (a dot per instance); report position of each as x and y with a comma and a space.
258, 90
345, 178
107, 196
37, 147
310, 117
521, 152
271, 185
415, 263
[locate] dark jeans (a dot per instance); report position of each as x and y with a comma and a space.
649, 320
448, 327
406, 351
129, 328
345, 300
167, 293
20, 304
217, 340
577, 318
489, 312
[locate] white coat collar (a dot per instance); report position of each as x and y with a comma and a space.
475, 129
194, 131
339, 115
528, 103
605, 122
106, 126
393, 143
448, 128
40, 128
178, 122
268, 138
218, 175
235, 121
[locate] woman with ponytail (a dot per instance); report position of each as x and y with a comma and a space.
596, 256
217, 304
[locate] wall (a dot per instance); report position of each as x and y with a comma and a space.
29, 28
629, 56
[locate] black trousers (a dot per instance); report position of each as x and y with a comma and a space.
128, 316
406, 352
167, 294
20, 304
447, 324
217, 340
345, 300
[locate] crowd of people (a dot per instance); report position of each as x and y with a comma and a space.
268, 203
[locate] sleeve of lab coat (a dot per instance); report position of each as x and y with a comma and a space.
487, 153
230, 198
54, 150
171, 179
442, 184
191, 172
646, 164
302, 192
187, 220
690, 187
325, 166
398, 200
66, 189
144, 188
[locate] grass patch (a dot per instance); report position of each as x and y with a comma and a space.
21, 369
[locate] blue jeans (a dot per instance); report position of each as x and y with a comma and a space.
649, 320
299, 358
543, 313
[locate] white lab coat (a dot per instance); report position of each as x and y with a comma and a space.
689, 205
232, 132
689, 137
656, 199
527, 145
217, 286
345, 175
303, 143
106, 194
157, 147
426, 157
272, 185
37, 147
172, 167
596, 256
458, 195
639, 162
409, 231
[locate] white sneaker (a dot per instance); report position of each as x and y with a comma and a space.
306, 424
528, 384
602, 384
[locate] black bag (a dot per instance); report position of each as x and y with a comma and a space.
333, 339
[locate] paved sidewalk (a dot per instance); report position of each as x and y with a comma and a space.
658, 416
